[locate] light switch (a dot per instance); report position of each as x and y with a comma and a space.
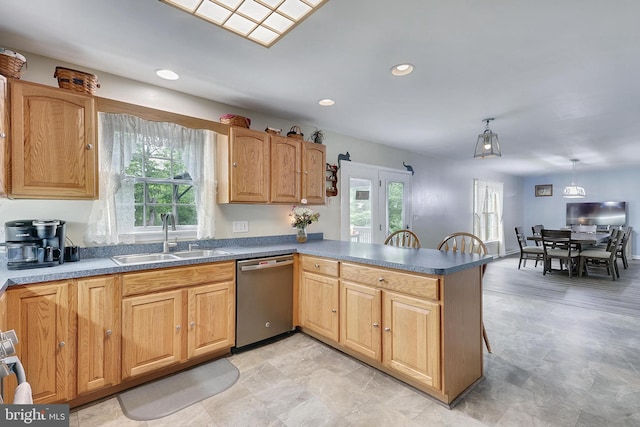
240, 226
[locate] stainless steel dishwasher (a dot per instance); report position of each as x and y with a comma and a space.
264, 298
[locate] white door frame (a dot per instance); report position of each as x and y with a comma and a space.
376, 174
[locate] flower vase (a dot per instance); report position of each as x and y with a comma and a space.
301, 237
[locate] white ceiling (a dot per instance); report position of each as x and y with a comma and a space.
561, 78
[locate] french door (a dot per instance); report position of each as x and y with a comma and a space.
375, 202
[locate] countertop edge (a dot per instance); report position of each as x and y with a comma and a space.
411, 260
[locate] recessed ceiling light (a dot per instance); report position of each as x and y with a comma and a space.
262, 21
167, 74
326, 102
401, 69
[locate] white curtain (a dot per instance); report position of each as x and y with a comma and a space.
488, 209
112, 216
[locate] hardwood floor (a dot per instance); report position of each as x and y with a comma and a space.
596, 291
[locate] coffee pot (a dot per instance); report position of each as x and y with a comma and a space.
34, 243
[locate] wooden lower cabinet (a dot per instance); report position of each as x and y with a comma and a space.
41, 317
361, 319
165, 328
151, 332
423, 329
401, 332
411, 338
98, 333
319, 297
211, 314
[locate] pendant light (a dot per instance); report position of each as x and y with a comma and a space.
573, 191
488, 144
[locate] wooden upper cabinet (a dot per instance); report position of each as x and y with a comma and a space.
4, 136
313, 168
256, 167
243, 166
286, 162
53, 143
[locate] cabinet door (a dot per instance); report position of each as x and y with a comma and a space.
411, 338
151, 332
40, 315
250, 165
319, 304
285, 170
98, 333
360, 309
4, 136
313, 169
211, 318
53, 153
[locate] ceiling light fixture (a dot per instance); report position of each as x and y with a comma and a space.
326, 102
167, 74
488, 144
262, 21
573, 191
401, 69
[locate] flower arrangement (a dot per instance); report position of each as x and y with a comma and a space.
303, 216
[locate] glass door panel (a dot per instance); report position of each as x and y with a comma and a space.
374, 202
396, 193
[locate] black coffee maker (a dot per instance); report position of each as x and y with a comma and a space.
34, 243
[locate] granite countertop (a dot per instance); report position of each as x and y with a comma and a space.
428, 261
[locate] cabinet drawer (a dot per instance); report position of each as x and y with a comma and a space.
324, 266
167, 278
411, 284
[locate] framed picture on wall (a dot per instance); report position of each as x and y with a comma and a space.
544, 190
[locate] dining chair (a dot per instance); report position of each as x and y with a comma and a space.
403, 239
557, 244
527, 252
536, 229
606, 258
467, 243
621, 251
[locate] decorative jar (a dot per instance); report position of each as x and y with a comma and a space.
301, 237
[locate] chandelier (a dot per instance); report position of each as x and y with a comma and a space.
573, 191
488, 144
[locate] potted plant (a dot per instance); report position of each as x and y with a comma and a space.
317, 136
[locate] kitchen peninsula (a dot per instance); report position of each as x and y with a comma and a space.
415, 314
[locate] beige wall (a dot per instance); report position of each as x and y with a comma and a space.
442, 189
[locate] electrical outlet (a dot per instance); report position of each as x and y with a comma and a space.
240, 226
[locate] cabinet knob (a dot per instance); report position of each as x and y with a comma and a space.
387, 329
235, 164
316, 265
375, 325
62, 344
178, 327
89, 146
109, 332
193, 324
333, 310
3, 135
380, 279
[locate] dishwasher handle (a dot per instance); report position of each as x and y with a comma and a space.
265, 265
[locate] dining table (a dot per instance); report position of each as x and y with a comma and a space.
582, 238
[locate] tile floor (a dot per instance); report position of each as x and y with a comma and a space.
553, 365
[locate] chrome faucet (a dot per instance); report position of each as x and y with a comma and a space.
166, 217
